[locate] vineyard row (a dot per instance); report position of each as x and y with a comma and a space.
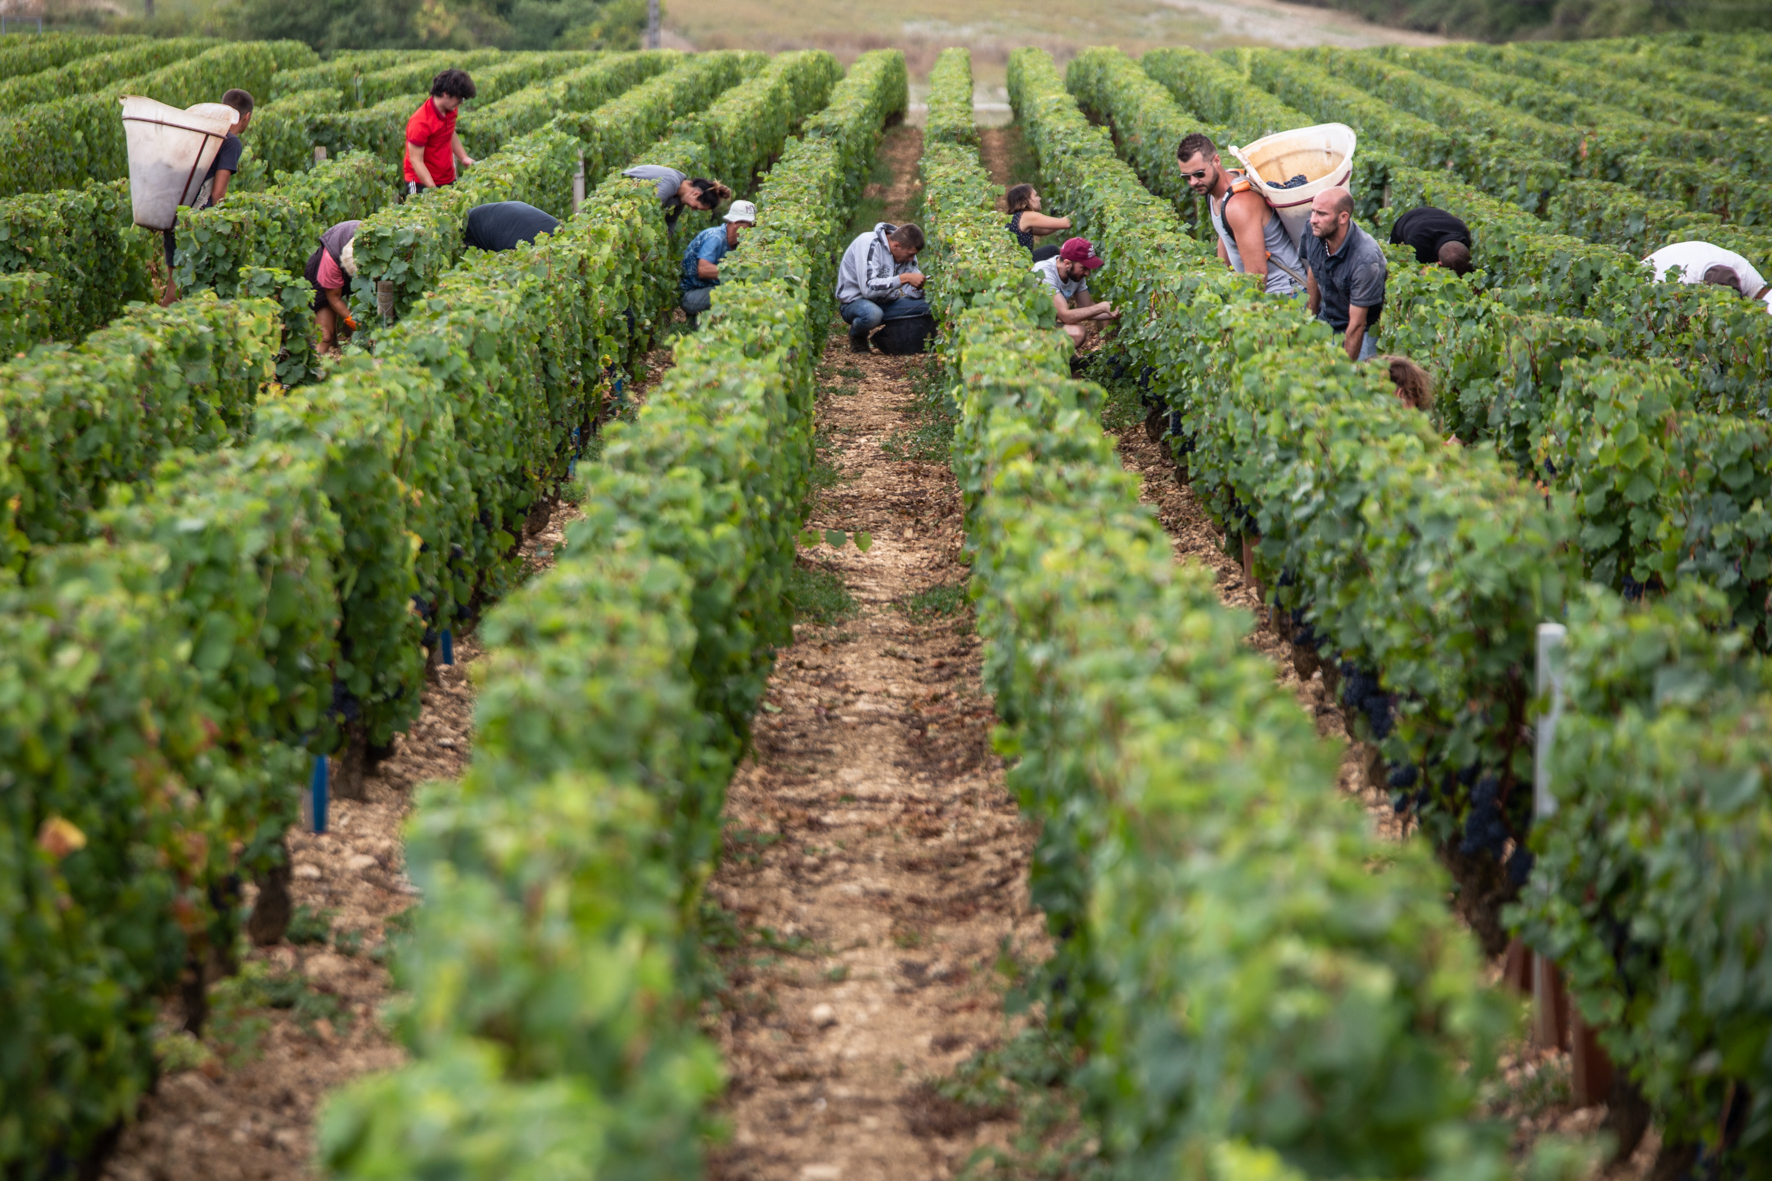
279, 590
1423, 570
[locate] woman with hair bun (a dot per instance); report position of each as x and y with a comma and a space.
1026, 221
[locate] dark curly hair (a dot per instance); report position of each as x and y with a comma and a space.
454, 83
1019, 198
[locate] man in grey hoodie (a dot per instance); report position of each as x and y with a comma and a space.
879, 280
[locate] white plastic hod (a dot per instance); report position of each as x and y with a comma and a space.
169, 152
1324, 154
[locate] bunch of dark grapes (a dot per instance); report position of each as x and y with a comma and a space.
1484, 829
1401, 780
1360, 691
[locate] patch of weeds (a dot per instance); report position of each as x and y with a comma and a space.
1531, 1089
938, 601
931, 438
746, 845
308, 925
1028, 1079
853, 372
818, 595
824, 472
1124, 407
837, 974
349, 942
719, 927
240, 1009
768, 938
179, 1051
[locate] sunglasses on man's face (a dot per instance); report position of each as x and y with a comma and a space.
1200, 175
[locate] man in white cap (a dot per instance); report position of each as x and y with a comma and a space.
330, 269
701, 261
1705, 262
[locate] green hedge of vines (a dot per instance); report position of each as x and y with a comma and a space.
65, 143
1651, 486
617, 698
1194, 858
98, 71
86, 240
29, 53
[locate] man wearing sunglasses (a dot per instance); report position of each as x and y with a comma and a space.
1251, 238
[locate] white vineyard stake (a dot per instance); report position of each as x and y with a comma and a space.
1547, 998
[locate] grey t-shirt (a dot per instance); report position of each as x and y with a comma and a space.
1352, 276
1047, 269
669, 181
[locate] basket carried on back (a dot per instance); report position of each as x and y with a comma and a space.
1323, 155
170, 152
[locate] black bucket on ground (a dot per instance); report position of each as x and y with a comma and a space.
901, 338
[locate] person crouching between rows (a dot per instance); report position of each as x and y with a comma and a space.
701, 261
330, 269
1068, 277
878, 280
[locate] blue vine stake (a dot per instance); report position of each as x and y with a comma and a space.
448, 648
317, 793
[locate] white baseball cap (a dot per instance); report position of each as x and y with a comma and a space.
742, 211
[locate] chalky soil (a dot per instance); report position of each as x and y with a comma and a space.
874, 862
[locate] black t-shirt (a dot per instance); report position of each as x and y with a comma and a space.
503, 224
227, 159
1427, 229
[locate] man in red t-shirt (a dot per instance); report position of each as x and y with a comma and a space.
432, 147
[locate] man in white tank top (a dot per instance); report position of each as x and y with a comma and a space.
1251, 238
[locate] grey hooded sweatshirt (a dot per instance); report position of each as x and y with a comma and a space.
869, 271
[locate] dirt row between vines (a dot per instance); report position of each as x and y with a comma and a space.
304, 1017
874, 860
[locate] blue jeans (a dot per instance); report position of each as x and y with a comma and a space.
864, 315
1368, 346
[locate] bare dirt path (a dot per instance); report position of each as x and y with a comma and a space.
304, 1015
875, 865
872, 851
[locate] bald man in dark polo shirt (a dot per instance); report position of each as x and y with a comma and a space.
1344, 283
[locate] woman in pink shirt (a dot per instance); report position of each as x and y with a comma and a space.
330, 269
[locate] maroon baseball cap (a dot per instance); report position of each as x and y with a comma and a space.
1081, 250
